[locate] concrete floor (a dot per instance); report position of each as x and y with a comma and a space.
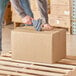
70, 41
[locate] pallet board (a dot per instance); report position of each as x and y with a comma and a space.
11, 67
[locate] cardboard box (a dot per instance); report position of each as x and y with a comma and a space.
60, 10
60, 21
42, 47
61, 2
61, 14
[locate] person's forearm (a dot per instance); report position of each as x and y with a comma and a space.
18, 8
42, 4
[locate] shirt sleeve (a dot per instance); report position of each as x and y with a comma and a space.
18, 8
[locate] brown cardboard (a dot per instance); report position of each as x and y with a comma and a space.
60, 10
61, 2
61, 14
42, 47
60, 21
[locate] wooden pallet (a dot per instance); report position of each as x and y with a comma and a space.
11, 67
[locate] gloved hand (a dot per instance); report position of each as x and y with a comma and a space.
27, 20
37, 24
47, 27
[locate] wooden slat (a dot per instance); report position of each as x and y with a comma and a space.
71, 57
37, 64
46, 69
13, 73
33, 67
29, 71
49, 69
11, 67
24, 70
68, 62
64, 65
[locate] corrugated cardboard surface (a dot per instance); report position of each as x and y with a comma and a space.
60, 21
42, 47
60, 13
60, 10
61, 2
